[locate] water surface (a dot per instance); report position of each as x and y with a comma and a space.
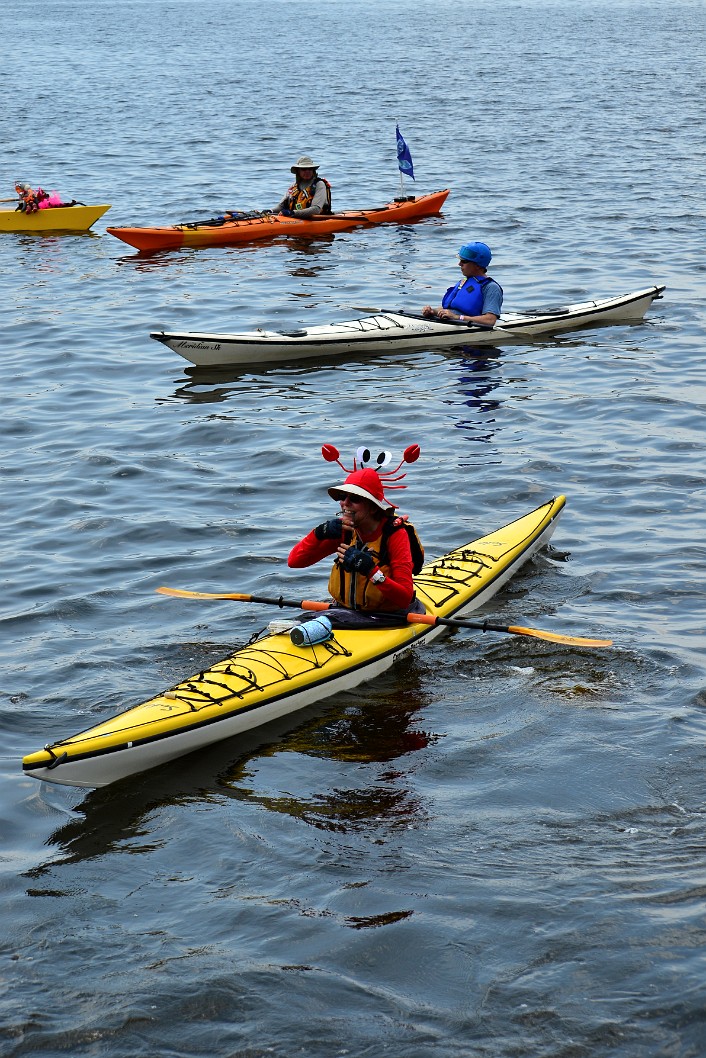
496, 849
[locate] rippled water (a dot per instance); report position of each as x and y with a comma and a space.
496, 849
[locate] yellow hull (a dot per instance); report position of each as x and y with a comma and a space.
273, 677
60, 218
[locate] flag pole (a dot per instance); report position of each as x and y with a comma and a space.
404, 162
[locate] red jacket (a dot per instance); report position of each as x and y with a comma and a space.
396, 591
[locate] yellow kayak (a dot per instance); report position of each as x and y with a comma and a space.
272, 677
58, 218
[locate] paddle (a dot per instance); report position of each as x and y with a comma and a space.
217, 222
419, 316
412, 618
232, 216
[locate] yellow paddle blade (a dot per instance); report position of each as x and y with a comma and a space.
180, 593
555, 637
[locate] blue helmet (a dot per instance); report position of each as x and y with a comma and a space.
477, 252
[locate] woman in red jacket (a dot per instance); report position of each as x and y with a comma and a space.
374, 561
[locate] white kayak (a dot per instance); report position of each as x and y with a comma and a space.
383, 332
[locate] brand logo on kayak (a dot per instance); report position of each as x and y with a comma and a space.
199, 345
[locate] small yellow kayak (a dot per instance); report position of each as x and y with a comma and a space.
274, 676
57, 218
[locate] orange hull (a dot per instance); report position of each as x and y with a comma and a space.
148, 240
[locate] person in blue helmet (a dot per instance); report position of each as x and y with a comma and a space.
476, 299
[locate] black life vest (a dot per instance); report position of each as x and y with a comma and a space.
415, 544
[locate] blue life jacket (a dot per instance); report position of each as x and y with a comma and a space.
466, 297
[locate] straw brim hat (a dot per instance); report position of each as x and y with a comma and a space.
305, 162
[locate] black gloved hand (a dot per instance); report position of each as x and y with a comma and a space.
330, 530
357, 561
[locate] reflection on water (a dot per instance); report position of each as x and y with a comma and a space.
144, 262
204, 385
217, 385
213, 395
46, 239
370, 727
311, 247
479, 375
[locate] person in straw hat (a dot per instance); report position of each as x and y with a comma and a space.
374, 563
309, 195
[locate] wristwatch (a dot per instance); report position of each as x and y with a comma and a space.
378, 577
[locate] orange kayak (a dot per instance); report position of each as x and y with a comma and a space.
270, 225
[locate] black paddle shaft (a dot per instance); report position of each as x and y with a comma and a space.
483, 626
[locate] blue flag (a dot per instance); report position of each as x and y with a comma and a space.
404, 158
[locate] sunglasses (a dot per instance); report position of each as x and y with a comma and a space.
350, 498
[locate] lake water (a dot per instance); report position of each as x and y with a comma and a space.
496, 850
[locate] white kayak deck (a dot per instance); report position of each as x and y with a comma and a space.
383, 331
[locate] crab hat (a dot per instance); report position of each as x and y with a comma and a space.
365, 483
